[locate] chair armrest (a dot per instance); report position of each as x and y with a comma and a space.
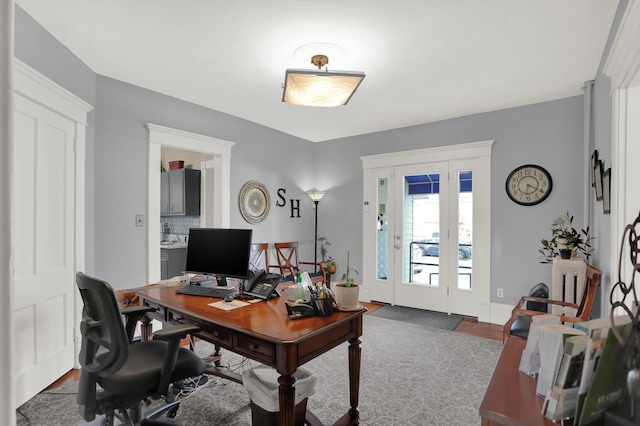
133, 310
172, 335
133, 314
543, 300
175, 332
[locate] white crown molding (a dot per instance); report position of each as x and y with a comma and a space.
170, 137
34, 86
623, 63
417, 156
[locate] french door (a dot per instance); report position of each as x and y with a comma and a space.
426, 231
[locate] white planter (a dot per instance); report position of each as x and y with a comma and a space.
347, 297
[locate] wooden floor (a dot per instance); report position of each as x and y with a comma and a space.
467, 326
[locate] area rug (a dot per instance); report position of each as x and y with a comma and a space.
410, 375
419, 317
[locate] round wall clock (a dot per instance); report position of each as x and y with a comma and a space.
529, 185
254, 202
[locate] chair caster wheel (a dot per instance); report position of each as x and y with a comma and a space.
171, 414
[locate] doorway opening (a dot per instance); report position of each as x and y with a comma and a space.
215, 204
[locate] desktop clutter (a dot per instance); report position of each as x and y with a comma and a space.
307, 299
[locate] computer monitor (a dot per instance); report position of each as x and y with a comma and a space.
220, 252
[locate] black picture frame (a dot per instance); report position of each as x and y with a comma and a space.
598, 178
606, 191
594, 160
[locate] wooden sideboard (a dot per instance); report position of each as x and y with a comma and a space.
510, 399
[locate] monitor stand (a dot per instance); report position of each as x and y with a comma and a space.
222, 280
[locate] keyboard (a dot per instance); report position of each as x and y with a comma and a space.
196, 290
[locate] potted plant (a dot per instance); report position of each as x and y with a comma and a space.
566, 241
323, 243
331, 265
347, 292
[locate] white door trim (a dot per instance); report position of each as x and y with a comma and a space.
160, 136
482, 262
623, 67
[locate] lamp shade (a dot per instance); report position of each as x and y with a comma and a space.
315, 195
320, 88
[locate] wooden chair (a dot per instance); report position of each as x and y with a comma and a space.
289, 264
582, 310
259, 251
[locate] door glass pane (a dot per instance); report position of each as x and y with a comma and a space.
465, 229
383, 230
421, 260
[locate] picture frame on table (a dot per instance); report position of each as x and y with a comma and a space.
598, 179
594, 160
606, 191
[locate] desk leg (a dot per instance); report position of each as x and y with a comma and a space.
287, 399
355, 352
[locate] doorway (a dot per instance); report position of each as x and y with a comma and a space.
426, 229
217, 203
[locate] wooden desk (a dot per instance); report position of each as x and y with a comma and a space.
264, 333
511, 399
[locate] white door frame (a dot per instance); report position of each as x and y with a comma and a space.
623, 67
482, 228
160, 136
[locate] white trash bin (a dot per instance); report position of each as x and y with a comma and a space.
262, 385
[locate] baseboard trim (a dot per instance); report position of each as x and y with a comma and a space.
500, 313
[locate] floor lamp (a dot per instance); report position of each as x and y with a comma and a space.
315, 196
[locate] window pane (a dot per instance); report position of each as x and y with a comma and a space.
465, 229
383, 230
422, 229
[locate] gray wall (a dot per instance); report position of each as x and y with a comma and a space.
549, 134
273, 158
37, 48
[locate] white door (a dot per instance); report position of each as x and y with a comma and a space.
43, 304
421, 222
426, 229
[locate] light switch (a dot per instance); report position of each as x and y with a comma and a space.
139, 220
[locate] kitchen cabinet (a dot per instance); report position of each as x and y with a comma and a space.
180, 193
172, 262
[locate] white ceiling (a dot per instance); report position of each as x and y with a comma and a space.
425, 60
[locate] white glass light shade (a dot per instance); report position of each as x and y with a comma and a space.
320, 88
315, 195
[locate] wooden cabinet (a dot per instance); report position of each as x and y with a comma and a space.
180, 193
172, 262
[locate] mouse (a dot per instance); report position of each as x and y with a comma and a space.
229, 298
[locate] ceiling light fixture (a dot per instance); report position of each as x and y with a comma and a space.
320, 88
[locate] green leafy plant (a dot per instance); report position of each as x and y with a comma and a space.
347, 279
323, 243
565, 237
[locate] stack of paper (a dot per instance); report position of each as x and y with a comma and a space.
552, 339
561, 403
530, 361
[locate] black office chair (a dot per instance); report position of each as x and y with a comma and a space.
127, 373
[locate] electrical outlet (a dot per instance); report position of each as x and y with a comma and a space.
500, 292
139, 220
